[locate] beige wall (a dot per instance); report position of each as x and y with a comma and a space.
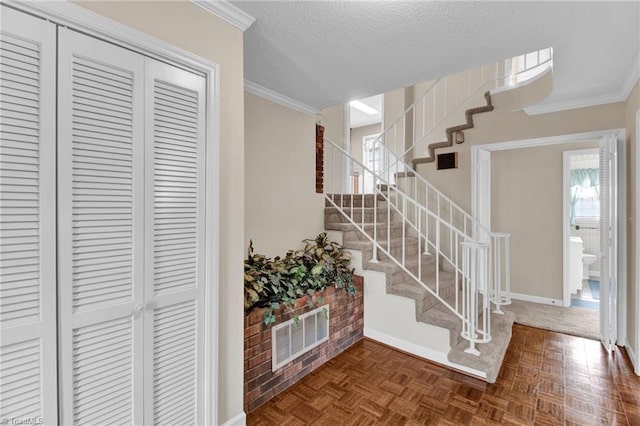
633, 104
333, 122
281, 205
496, 126
526, 201
189, 27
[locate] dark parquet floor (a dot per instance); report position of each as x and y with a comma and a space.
547, 379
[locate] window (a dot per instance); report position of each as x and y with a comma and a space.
523, 67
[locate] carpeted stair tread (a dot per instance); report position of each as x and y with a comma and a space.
492, 353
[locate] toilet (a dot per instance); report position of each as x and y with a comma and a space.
587, 261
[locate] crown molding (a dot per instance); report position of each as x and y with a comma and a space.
620, 96
279, 98
227, 12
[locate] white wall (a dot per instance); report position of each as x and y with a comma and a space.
281, 205
189, 27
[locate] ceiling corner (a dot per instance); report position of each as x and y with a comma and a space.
227, 12
279, 98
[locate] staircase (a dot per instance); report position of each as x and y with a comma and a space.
429, 310
453, 131
430, 250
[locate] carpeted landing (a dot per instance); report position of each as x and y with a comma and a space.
574, 321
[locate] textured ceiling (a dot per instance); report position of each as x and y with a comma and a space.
323, 53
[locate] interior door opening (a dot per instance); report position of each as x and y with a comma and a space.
612, 263
364, 125
581, 198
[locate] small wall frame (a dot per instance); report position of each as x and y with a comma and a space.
447, 160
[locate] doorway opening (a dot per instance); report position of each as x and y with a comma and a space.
365, 124
581, 203
613, 266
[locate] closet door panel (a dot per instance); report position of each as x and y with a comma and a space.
101, 208
174, 285
27, 219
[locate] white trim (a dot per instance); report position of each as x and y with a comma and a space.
536, 299
227, 12
279, 98
239, 420
566, 234
622, 240
620, 96
420, 351
637, 241
79, 18
550, 140
633, 357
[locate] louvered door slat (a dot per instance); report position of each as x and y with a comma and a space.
101, 190
27, 218
174, 259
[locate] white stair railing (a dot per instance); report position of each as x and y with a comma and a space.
428, 241
425, 121
426, 196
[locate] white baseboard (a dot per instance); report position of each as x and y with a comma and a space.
633, 357
536, 299
420, 351
239, 420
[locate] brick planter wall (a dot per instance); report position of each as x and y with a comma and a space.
346, 324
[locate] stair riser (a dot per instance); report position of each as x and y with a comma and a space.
409, 288
382, 231
356, 215
356, 201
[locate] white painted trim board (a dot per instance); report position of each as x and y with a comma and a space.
536, 299
237, 420
227, 12
420, 351
278, 98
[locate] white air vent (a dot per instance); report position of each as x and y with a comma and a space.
289, 341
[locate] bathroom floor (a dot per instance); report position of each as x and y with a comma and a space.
588, 297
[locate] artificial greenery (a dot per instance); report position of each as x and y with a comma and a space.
270, 282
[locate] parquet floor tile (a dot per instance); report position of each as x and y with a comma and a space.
547, 379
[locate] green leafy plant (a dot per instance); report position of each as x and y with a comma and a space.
272, 282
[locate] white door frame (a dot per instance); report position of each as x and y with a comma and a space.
481, 196
91, 23
635, 352
566, 232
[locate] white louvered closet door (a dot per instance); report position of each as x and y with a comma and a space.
101, 226
27, 219
175, 235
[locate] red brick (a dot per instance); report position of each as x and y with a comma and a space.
257, 360
345, 328
253, 330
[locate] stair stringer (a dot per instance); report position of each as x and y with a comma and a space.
451, 131
406, 332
